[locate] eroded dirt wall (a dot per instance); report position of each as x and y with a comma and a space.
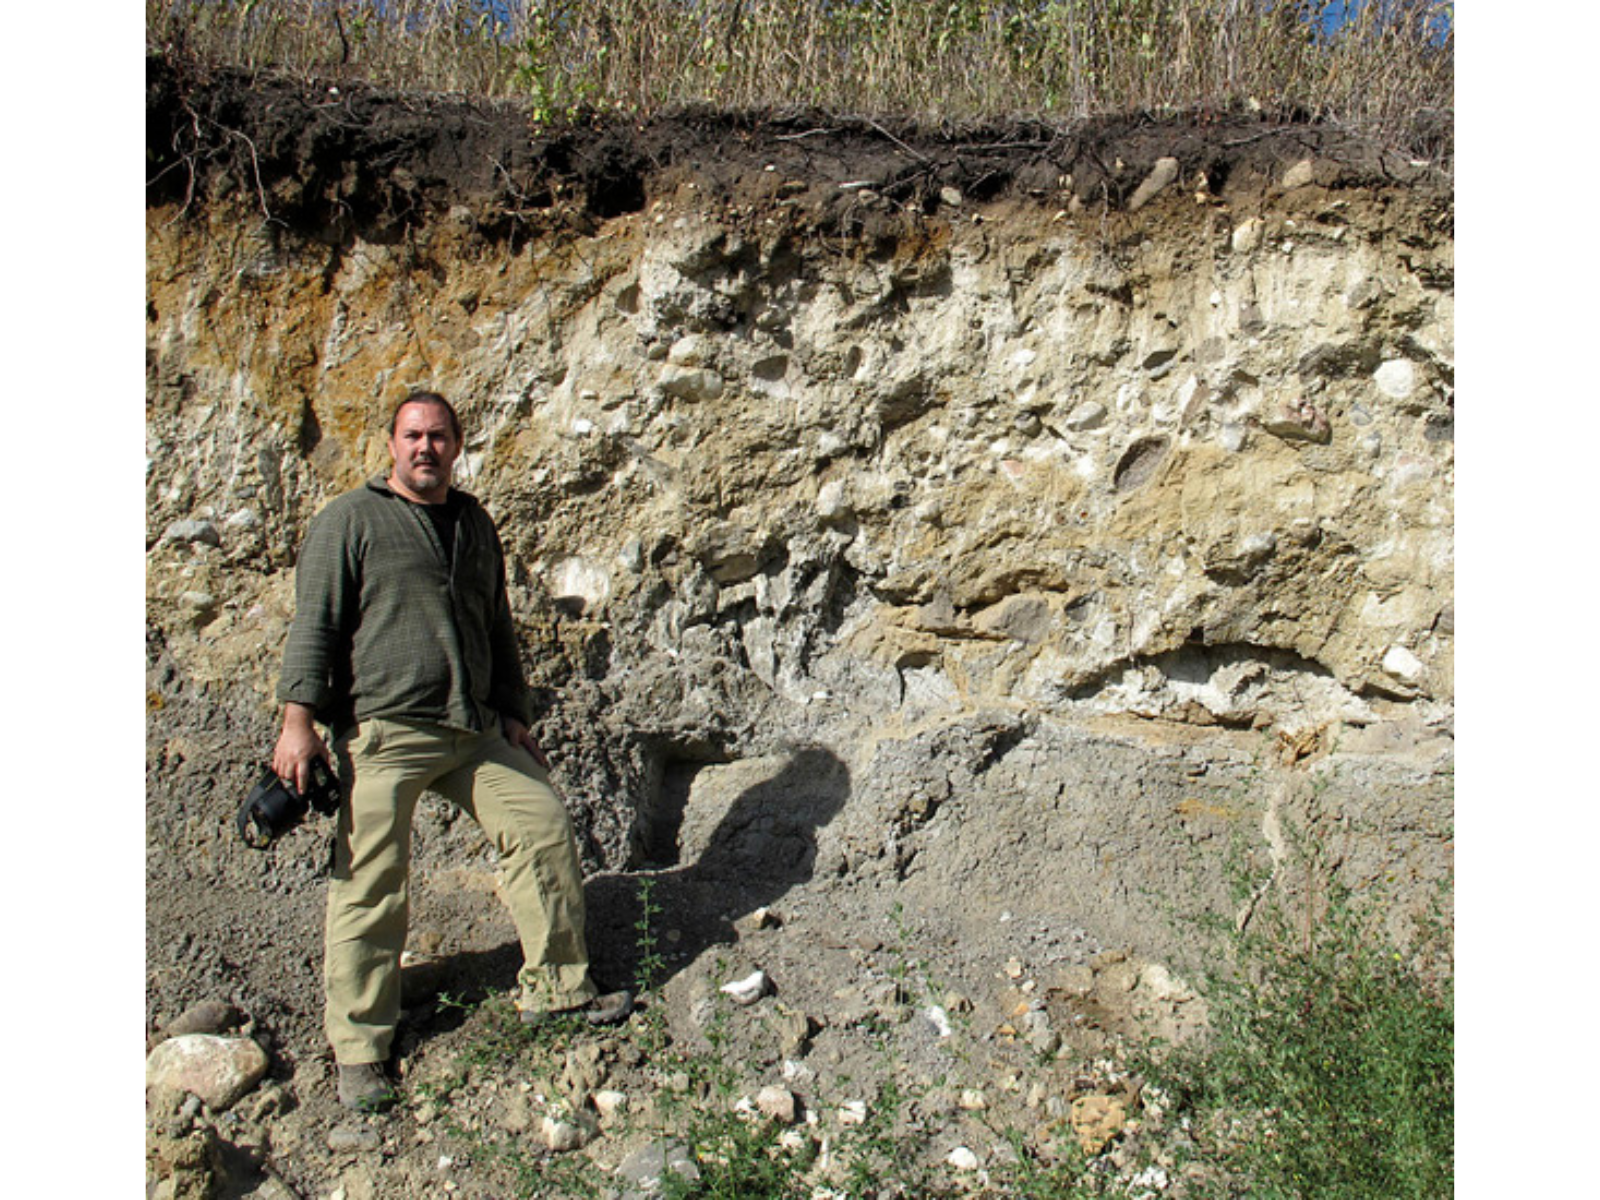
1083, 509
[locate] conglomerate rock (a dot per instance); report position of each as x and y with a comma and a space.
1023, 556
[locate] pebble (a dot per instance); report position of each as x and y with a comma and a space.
209, 1016
749, 989
192, 531
352, 1139
832, 506
609, 1102
1088, 415
1403, 665
962, 1159
1299, 175
274, 1188
1164, 172
1301, 421
562, 1136
778, 1104
1096, 1120
692, 383
645, 1166
853, 1112
1396, 378
1247, 235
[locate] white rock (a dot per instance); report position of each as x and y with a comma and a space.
646, 1166
1299, 175
608, 1103
1088, 415
1247, 235
562, 1136
1403, 665
1396, 378
778, 1104
1162, 984
582, 580
853, 1112
962, 1159
830, 444
691, 383
940, 1020
831, 502
792, 1141
691, 350
749, 989
219, 1070
1151, 1177
1164, 172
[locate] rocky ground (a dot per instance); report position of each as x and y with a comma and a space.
864, 1014
886, 723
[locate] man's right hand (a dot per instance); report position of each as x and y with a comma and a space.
298, 744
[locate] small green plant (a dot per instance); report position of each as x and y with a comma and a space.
1331, 1064
1033, 1177
877, 1150
652, 966
739, 1158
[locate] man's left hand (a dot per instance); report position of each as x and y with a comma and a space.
518, 735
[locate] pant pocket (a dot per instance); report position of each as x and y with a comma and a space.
365, 739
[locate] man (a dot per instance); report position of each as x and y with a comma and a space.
403, 646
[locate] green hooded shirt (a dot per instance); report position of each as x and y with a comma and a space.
387, 624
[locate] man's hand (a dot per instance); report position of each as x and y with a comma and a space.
297, 745
517, 734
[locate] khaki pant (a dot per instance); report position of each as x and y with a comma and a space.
386, 765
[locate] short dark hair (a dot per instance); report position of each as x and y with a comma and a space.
427, 398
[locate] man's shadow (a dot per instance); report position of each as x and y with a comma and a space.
720, 840
726, 840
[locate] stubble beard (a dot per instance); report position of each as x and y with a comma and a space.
424, 477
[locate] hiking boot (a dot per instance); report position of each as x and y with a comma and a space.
365, 1088
609, 1009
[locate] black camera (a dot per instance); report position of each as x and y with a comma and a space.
274, 807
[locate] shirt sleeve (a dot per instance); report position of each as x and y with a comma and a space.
327, 589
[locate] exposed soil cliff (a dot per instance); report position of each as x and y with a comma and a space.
977, 545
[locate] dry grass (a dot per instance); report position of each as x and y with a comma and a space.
933, 59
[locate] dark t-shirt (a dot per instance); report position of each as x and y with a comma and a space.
443, 517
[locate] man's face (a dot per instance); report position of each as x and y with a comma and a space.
424, 448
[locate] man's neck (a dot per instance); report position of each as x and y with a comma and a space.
432, 496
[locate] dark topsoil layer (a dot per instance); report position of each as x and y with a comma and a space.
332, 161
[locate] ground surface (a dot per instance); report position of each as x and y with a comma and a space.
872, 1000
905, 1008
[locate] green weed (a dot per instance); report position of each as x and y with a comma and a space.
1330, 1070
